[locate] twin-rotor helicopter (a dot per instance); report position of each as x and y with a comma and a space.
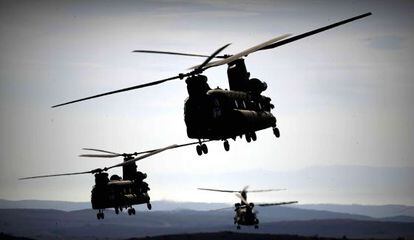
118, 192
218, 114
244, 211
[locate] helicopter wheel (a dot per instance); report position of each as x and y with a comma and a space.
133, 211
116, 210
130, 211
256, 226
238, 226
149, 206
248, 139
253, 136
226, 145
199, 151
204, 148
276, 132
100, 215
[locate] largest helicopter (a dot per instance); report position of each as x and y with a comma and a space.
217, 114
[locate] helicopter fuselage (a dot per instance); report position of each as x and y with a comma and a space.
222, 114
120, 193
245, 216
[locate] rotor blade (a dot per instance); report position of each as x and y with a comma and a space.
113, 155
150, 153
176, 146
61, 174
99, 155
221, 209
307, 34
142, 157
242, 198
180, 76
275, 204
99, 150
247, 51
201, 66
267, 190
218, 190
176, 53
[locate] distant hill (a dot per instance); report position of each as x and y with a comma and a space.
82, 224
227, 235
44, 204
72, 206
380, 211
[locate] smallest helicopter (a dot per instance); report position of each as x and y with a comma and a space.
245, 215
118, 192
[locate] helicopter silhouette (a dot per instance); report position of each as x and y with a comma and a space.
118, 192
221, 114
245, 215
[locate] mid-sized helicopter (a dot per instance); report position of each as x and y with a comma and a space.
245, 215
221, 114
118, 192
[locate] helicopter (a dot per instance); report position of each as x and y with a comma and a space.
245, 215
118, 192
221, 114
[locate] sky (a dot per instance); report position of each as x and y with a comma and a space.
343, 97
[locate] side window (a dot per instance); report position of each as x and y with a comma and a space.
236, 104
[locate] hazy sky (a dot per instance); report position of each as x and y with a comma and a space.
343, 97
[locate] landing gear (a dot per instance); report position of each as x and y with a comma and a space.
256, 226
251, 136
276, 132
100, 214
238, 227
204, 148
116, 210
201, 148
248, 139
226, 145
149, 206
199, 151
131, 211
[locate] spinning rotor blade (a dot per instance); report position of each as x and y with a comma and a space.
279, 41
99, 155
62, 174
275, 204
124, 89
202, 66
242, 198
113, 155
307, 34
142, 157
218, 190
246, 52
152, 152
99, 150
179, 76
267, 190
176, 53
